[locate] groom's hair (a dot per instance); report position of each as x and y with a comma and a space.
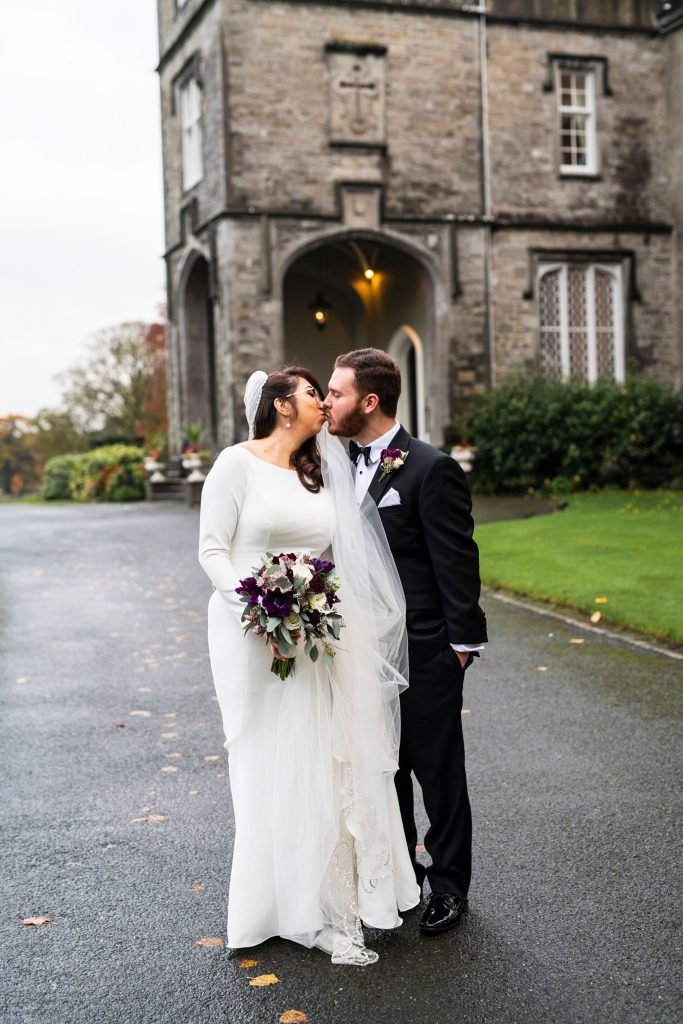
376, 374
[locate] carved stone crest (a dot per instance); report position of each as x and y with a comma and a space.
356, 94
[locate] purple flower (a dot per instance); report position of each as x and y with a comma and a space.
316, 584
322, 566
314, 618
390, 460
278, 603
249, 586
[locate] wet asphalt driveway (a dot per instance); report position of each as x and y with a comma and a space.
116, 819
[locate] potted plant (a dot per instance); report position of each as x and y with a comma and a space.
192, 449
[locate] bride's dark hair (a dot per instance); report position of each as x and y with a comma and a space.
306, 459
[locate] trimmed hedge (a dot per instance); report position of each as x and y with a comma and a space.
111, 473
56, 477
534, 433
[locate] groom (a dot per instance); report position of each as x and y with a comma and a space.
424, 503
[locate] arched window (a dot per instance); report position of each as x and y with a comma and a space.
581, 321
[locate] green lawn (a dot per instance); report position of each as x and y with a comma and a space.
626, 546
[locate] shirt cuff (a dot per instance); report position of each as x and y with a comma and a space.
465, 648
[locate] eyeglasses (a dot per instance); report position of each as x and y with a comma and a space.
306, 391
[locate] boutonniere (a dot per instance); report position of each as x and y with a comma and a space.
390, 460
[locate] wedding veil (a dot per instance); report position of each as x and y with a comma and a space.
373, 603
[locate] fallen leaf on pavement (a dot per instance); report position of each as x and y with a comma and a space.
140, 714
210, 943
596, 616
149, 817
146, 808
169, 714
174, 753
293, 1017
37, 920
248, 963
194, 792
264, 979
170, 768
119, 725
169, 735
577, 640
196, 887
420, 849
542, 668
212, 757
465, 711
144, 689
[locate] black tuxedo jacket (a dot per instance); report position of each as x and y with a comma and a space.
430, 536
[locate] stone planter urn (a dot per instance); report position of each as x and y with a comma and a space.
464, 456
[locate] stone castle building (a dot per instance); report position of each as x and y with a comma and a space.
475, 187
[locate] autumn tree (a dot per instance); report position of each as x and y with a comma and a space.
119, 388
57, 434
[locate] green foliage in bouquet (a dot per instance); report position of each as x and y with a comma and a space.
57, 477
532, 433
110, 473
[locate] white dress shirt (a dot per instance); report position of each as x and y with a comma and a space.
363, 478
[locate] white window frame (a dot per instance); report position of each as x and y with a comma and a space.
191, 130
615, 271
589, 112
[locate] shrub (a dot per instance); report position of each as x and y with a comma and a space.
57, 476
530, 432
110, 473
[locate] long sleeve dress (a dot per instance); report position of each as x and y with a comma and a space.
295, 864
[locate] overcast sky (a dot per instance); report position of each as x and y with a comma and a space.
81, 204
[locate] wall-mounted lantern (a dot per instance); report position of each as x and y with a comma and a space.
320, 308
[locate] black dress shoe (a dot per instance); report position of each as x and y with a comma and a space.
444, 911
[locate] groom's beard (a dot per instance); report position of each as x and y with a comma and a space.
352, 424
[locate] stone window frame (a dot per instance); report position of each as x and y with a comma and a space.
596, 68
613, 263
190, 72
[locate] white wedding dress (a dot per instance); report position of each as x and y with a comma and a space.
319, 844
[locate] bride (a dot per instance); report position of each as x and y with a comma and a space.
319, 845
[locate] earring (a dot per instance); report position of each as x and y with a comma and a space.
289, 423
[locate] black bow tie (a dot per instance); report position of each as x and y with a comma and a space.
355, 450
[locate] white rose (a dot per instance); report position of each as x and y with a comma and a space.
317, 602
304, 572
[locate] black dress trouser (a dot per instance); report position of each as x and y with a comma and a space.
432, 747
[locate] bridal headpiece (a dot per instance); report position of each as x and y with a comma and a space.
252, 397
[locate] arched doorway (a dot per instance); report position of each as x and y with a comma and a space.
199, 354
406, 348
359, 290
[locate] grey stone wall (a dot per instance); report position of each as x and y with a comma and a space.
634, 174
281, 156
272, 179
674, 83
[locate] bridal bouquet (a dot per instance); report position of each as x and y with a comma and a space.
290, 600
